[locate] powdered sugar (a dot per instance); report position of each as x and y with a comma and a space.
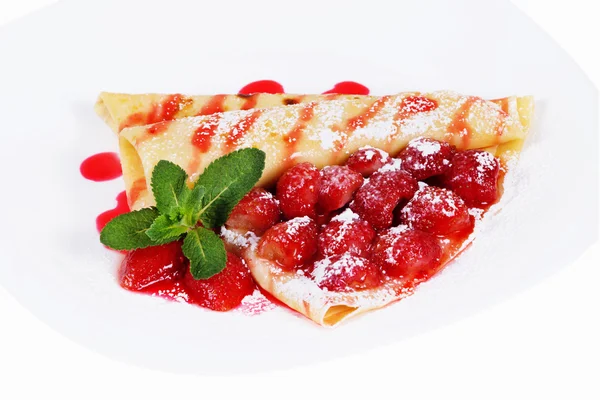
395, 165
255, 304
248, 239
426, 147
371, 152
293, 225
347, 216
344, 266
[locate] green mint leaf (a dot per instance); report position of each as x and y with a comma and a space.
226, 180
169, 187
164, 229
206, 253
191, 206
128, 231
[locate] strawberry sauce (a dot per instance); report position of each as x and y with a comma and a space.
101, 167
121, 208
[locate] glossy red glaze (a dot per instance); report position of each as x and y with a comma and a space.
101, 167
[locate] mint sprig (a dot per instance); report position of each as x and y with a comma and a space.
180, 209
226, 182
205, 251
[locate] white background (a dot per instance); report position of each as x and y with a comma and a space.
544, 343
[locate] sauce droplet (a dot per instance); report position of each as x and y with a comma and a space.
264, 86
121, 208
101, 167
348, 87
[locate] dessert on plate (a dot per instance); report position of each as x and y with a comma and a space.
332, 204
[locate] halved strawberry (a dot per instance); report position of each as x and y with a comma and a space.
345, 272
473, 175
407, 253
224, 291
298, 191
290, 244
143, 267
424, 157
256, 212
436, 210
375, 201
338, 184
367, 160
346, 233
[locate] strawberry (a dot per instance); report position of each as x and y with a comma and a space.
256, 212
425, 158
298, 191
346, 233
338, 184
143, 267
367, 160
407, 253
375, 201
436, 210
346, 272
473, 175
290, 244
223, 291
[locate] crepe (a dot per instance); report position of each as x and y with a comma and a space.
321, 132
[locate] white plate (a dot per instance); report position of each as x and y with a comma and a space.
54, 63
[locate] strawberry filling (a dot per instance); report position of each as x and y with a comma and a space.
348, 228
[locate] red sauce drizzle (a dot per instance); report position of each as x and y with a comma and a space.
503, 103
158, 128
413, 105
202, 137
216, 104
503, 115
264, 86
363, 119
163, 111
121, 208
240, 129
101, 167
306, 114
459, 125
348, 87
